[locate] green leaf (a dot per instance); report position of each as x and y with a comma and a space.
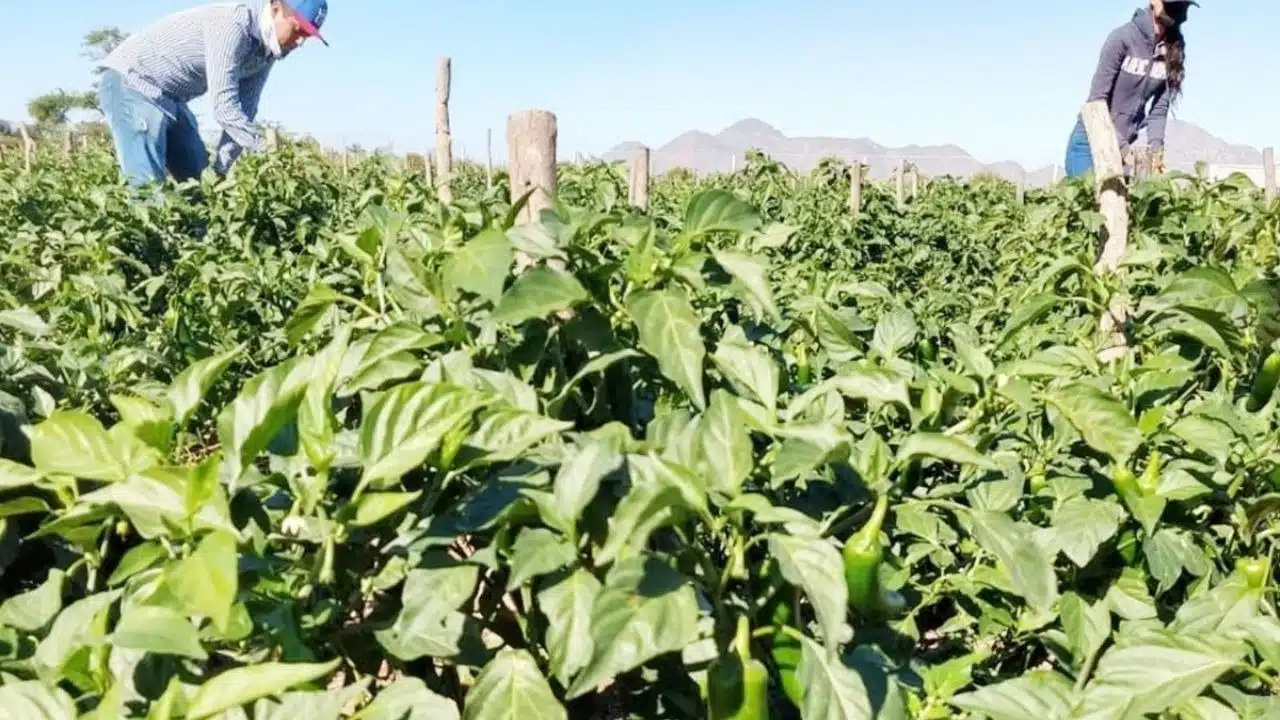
26, 320
481, 266
568, 605
750, 370
1129, 597
408, 699
832, 690
429, 623
670, 332
1081, 525
157, 630
1104, 423
388, 355
645, 609
14, 475
717, 209
659, 496
31, 700
192, 384
32, 610
207, 580
945, 447
815, 565
243, 685
511, 687
875, 384
405, 424
1157, 671
372, 508
896, 330
1040, 694
71, 442
536, 552
72, 629
537, 293
151, 423
1168, 552
968, 350
752, 273
310, 312
726, 444
579, 478
506, 433
1030, 568
1087, 626
1029, 311
267, 403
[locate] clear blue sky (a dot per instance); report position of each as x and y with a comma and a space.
1001, 78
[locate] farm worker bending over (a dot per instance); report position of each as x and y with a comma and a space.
1142, 62
226, 50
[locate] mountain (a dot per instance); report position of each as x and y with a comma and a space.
703, 152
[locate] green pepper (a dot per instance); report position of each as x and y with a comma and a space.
1150, 480
785, 650
737, 684
1254, 571
1127, 546
1264, 385
803, 372
1125, 482
928, 351
1037, 478
1275, 478
862, 555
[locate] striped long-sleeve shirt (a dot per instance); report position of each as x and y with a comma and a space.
217, 49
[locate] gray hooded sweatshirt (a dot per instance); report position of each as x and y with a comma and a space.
1131, 73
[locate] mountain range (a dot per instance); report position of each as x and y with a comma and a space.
703, 152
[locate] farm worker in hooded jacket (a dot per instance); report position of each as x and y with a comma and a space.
1142, 62
226, 50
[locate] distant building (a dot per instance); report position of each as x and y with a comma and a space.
1221, 171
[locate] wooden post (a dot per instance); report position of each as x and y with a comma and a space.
273, 139
84, 143
1021, 192
902, 183
639, 185
28, 147
1269, 173
855, 189
488, 158
346, 161
1057, 177
444, 149
68, 144
733, 163
531, 160
1113, 202
915, 181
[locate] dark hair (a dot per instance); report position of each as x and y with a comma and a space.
1175, 60
1175, 47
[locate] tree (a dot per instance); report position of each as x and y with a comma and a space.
100, 43
53, 109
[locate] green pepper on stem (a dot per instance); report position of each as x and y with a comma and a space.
737, 685
862, 556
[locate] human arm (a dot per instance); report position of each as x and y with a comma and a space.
1109, 62
233, 107
1158, 118
228, 150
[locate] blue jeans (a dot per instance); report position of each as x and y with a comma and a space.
148, 139
1079, 156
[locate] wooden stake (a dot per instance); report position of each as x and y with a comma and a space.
28, 147
444, 148
84, 143
855, 189
1022, 189
1269, 173
273, 139
488, 158
1057, 177
902, 184
733, 163
915, 182
531, 160
639, 185
68, 144
1113, 202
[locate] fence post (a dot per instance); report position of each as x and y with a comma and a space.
273, 139
639, 185
488, 158
902, 183
444, 150
855, 188
28, 147
1056, 176
68, 144
531, 160
1113, 202
1269, 173
1021, 192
